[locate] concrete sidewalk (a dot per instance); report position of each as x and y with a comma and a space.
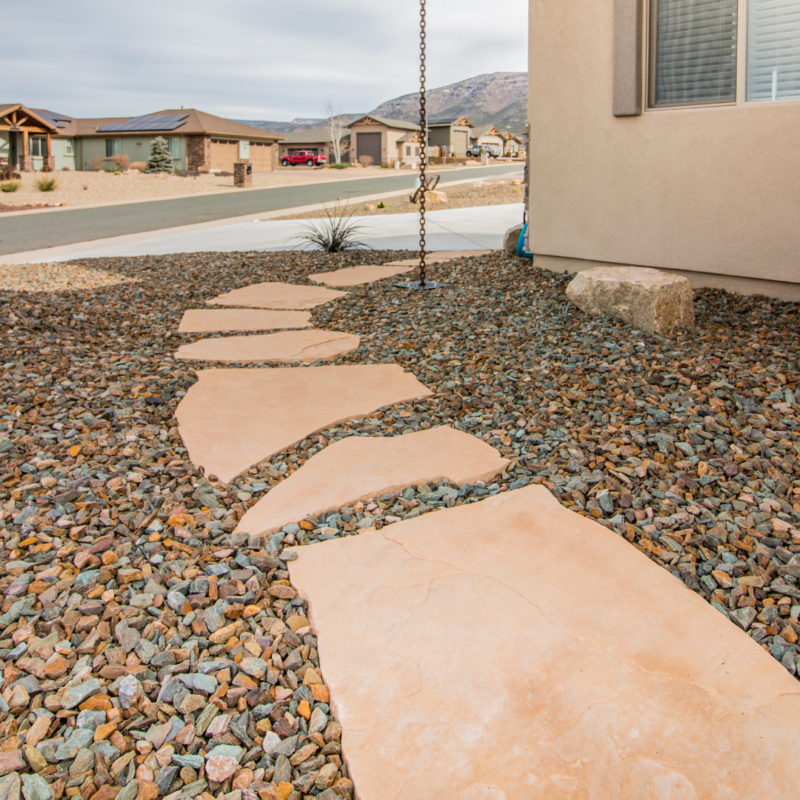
480, 228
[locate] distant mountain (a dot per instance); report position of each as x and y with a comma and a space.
499, 99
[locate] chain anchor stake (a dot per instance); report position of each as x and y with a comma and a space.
426, 183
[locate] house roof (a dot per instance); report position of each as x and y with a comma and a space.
315, 136
411, 136
7, 108
185, 121
449, 121
391, 123
486, 131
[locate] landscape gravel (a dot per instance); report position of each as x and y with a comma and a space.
147, 651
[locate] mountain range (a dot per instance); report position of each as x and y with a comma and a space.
499, 99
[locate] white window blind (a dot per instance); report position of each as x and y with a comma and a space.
773, 49
695, 51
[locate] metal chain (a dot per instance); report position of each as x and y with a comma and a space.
423, 163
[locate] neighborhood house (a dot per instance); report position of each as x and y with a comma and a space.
35, 139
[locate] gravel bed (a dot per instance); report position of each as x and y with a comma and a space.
461, 195
149, 652
88, 188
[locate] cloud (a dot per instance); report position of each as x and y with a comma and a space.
249, 59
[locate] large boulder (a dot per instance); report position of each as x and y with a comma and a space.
511, 239
647, 299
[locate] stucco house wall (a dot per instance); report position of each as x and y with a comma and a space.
711, 192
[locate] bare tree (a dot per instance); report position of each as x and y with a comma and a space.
337, 122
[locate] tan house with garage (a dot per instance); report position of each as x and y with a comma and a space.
318, 141
33, 139
379, 139
451, 135
488, 135
666, 134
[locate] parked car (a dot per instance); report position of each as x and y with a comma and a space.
303, 157
493, 150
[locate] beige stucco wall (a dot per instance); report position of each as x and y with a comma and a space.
390, 149
708, 190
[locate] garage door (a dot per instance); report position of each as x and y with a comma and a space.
261, 156
224, 154
460, 143
369, 144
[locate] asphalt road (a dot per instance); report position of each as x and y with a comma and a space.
52, 229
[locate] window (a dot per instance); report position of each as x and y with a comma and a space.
408, 150
697, 49
173, 146
113, 147
69, 147
773, 49
38, 146
693, 46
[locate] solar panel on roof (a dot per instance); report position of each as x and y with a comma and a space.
56, 119
148, 122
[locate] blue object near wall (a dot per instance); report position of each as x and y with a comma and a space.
521, 251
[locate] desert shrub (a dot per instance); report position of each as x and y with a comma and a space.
46, 184
337, 232
65, 169
8, 173
121, 161
366, 161
340, 165
9, 186
96, 163
140, 165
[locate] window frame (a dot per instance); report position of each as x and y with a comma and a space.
116, 147
649, 66
69, 147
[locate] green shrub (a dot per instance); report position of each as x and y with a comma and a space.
340, 165
9, 186
46, 184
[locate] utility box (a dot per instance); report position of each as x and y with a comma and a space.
242, 175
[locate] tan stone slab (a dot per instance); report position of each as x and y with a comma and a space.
355, 276
359, 467
513, 650
437, 258
217, 320
234, 418
313, 345
274, 294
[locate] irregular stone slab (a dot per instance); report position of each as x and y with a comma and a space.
647, 299
359, 467
274, 294
355, 276
232, 419
312, 345
511, 648
206, 320
437, 258
511, 240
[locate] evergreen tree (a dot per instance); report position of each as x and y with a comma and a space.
160, 158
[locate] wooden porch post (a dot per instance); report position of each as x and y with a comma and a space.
26, 161
49, 160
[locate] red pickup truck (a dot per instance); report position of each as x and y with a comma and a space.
303, 157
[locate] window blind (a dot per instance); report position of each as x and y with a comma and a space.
773, 49
695, 51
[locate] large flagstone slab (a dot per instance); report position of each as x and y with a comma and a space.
359, 467
313, 345
513, 650
355, 276
274, 294
232, 419
217, 320
438, 258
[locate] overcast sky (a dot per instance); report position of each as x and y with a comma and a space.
246, 59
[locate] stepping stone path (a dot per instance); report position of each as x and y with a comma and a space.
201, 320
313, 345
511, 648
232, 419
355, 276
360, 467
277, 296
